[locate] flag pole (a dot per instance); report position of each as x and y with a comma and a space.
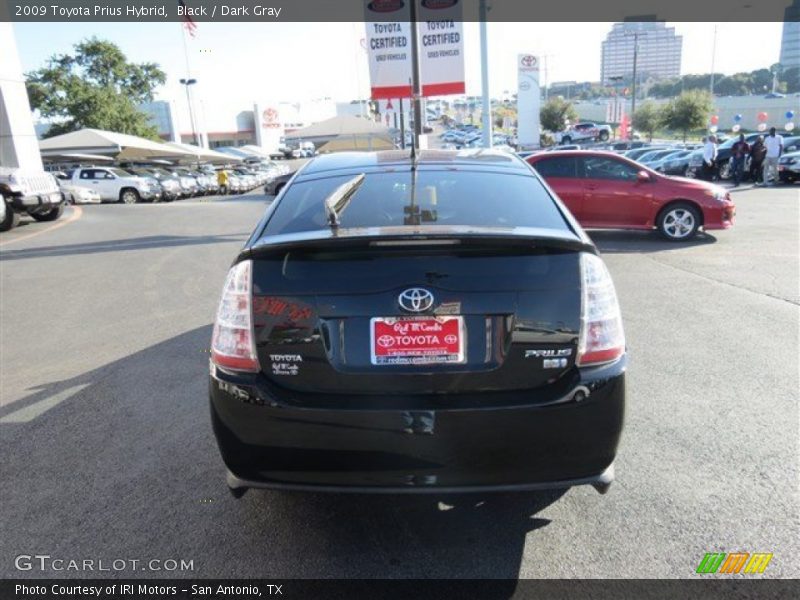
186, 50
196, 138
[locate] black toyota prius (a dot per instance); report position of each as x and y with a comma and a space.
434, 322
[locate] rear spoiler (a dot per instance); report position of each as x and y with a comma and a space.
399, 237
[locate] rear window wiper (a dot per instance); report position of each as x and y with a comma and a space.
338, 200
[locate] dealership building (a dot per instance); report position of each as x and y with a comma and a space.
220, 126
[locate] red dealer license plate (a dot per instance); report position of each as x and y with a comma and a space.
417, 340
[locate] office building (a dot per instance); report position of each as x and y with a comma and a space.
790, 40
658, 56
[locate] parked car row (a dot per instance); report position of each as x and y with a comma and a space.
470, 136
147, 183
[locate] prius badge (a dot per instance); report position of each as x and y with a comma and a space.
415, 300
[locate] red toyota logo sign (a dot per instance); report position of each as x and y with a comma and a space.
528, 61
438, 4
270, 118
383, 6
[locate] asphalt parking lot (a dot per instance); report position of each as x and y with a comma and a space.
108, 451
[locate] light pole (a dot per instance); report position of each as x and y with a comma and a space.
546, 73
713, 60
486, 110
635, 35
416, 85
187, 83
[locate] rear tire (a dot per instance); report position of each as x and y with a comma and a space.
565, 140
603, 136
11, 218
129, 196
51, 215
725, 170
678, 222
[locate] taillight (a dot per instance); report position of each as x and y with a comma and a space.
602, 338
233, 342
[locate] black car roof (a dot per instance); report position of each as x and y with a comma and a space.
478, 158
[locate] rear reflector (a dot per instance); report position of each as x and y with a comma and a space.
602, 339
233, 343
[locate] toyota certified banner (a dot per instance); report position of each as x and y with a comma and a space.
441, 47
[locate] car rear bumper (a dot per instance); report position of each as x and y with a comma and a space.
601, 482
519, 447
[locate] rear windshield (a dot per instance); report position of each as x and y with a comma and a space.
461, 198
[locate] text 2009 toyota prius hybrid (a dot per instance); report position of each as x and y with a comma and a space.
437, 323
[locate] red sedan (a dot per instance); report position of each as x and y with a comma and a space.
607, 191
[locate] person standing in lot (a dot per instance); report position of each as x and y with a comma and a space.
757, 153
739, 152
222, 180
774, 146
709, 158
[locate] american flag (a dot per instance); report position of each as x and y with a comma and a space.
188, 22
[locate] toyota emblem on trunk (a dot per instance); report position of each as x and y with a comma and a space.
416, 300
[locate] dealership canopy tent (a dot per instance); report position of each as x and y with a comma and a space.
119, 146
197, 154
329, 129
367, 142
255, 150
76, 156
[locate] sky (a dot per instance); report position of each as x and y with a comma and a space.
237, 64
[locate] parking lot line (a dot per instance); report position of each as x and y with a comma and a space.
76, 214
30, 412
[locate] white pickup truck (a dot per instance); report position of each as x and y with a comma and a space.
25, 187
582, 132
116, 185
30, 192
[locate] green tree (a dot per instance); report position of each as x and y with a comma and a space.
688, 111
791, 77
556, 112
94, 87
647, 118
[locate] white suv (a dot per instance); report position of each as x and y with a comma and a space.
34, 193
116, 185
